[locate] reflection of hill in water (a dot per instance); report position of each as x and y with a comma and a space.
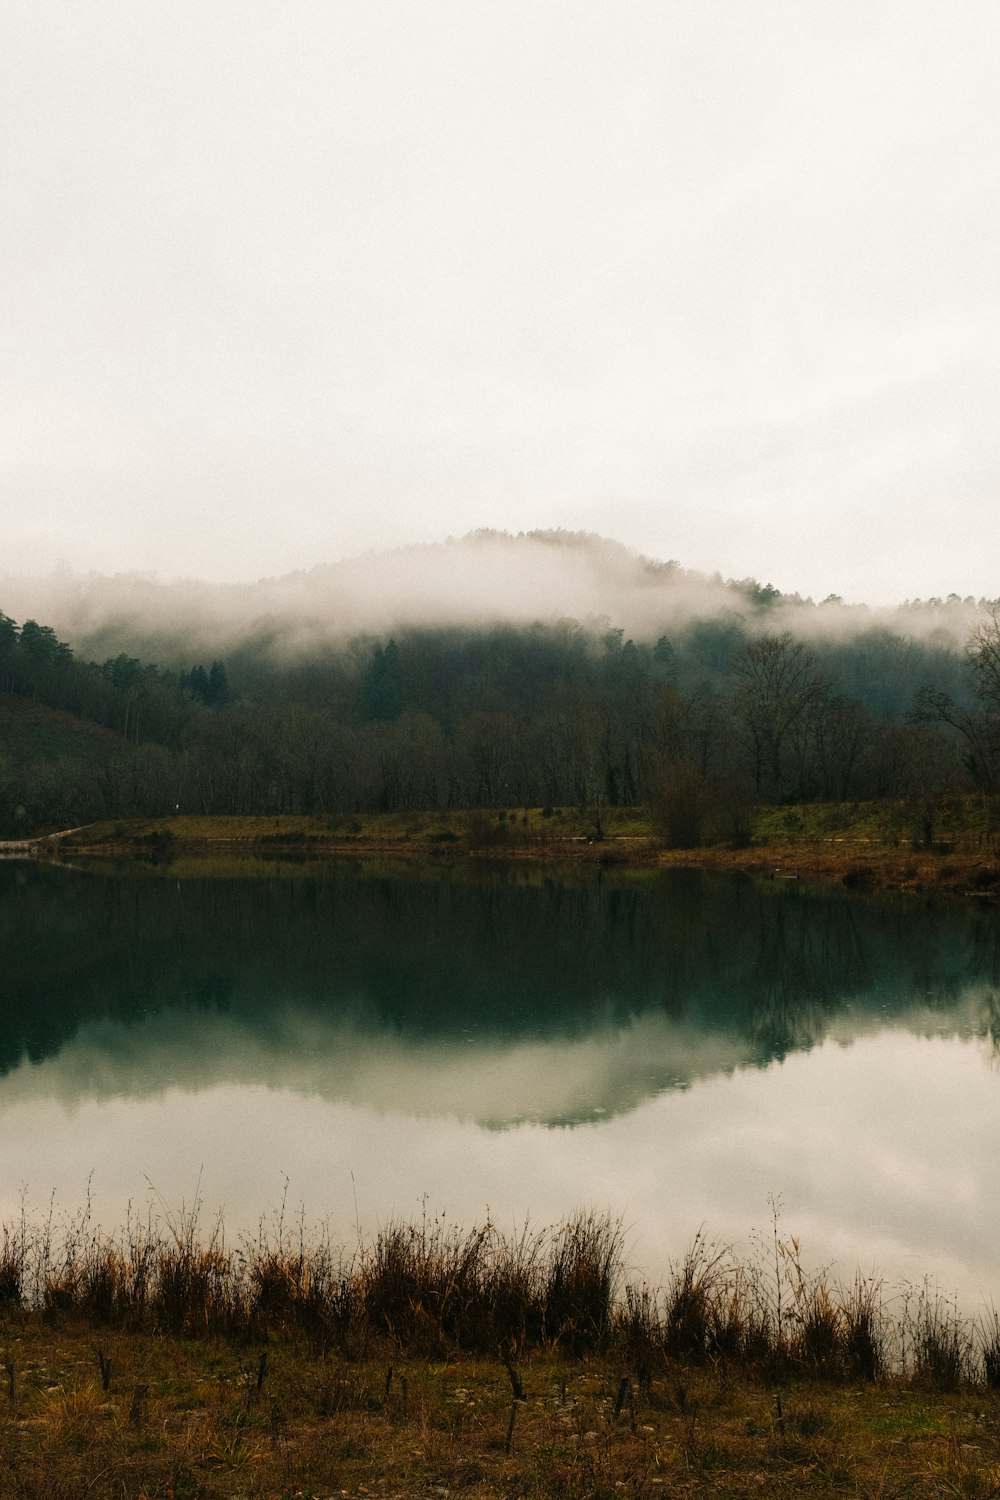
477, 993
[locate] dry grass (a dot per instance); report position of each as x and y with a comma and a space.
437, 1290
211, 1418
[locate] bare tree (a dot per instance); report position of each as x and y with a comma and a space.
779, 685
983, 652
979, 725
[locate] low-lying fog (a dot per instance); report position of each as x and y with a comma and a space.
482, 579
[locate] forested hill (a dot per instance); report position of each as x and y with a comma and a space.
480, 581
754, 698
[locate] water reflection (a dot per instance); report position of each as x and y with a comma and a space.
491, 996
709, 1041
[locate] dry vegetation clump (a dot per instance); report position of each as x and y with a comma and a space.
425, 1287
943, 1354
865, 1329
438, 1287
13, 1265
988, 1340
581, 1281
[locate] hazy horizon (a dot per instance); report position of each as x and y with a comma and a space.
63, 568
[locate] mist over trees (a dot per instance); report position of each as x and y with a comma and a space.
486, 579
504, 717
699, 717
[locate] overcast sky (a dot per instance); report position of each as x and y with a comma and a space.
286, 281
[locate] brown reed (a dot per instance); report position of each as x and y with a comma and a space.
436, 1288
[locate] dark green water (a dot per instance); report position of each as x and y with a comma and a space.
675, 1048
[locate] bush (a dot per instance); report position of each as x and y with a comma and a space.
683, 806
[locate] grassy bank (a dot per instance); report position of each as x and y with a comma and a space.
178, 1421
952, 847
435, 1360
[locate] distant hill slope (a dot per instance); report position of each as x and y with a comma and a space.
483, 579
49, 762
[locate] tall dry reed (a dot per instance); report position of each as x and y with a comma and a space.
435, 1287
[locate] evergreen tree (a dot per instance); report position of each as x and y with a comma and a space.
196, 682
382, 698
217, 691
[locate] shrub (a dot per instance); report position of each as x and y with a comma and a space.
583, 1274
682, 806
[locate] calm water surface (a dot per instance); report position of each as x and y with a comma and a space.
675, 1049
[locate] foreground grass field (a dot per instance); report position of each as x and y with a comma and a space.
436, 1361
164, 1418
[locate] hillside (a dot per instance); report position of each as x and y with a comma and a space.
50, 765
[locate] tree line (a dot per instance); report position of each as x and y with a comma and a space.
704, 721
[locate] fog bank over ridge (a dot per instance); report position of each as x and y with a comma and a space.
483, 579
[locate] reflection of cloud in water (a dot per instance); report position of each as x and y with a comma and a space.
885, 1154
609, 1070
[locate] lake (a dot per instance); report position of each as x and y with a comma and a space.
680, 1049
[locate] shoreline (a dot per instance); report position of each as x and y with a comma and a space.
864, 864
